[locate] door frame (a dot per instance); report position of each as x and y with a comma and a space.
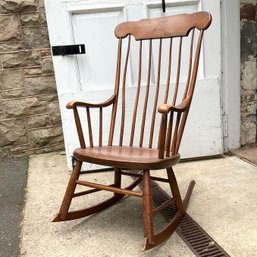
230, 31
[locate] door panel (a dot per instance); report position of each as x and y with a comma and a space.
95, 30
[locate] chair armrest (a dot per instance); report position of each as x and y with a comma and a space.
165, 108
74, 103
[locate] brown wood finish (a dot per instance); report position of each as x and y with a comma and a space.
125, 157
116, 93
148, 208
123, 93
137, 96
169, 74
108, 188
160, 27
100, 126
172, 112
147, 93
156, 96
89, 128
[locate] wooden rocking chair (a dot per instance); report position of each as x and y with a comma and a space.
175, 38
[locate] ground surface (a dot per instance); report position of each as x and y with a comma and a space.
223, 203
248, 153
13, 180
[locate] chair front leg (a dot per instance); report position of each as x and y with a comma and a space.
62, 215
117, 180
148, 210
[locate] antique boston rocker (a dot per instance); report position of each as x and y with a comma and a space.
168, 50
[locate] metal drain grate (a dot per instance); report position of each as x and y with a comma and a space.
190, 231
198, 240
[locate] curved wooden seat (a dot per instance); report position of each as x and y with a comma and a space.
125, 157
139, 111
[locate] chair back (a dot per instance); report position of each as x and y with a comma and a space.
157, 63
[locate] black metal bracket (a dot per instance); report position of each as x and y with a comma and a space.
68, 50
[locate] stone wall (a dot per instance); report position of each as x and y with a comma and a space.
29, 112
248, 71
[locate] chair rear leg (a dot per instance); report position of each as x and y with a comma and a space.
62, 215
147, 209
175, 190
117, 180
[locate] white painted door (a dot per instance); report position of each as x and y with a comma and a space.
90, 77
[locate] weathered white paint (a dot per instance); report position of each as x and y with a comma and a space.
78, 77
231, 73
